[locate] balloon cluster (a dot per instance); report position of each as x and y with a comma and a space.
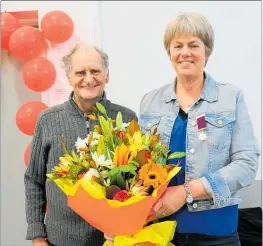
27, 44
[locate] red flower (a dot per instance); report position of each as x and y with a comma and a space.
62, 173
120, 134
148, 155
122, 196
81, 175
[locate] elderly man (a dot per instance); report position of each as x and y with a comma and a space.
87, 71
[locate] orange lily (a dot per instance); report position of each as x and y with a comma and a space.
121, 155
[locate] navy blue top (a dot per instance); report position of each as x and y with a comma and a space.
222, 221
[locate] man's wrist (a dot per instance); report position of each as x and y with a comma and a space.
39, 239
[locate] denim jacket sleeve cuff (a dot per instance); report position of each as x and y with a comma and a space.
217, 188
36, 230
208, 187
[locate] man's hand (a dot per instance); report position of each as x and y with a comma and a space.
170, 202
109, 238
39, 242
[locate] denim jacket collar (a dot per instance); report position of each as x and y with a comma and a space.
209, 93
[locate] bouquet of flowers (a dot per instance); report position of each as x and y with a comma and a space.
115, 177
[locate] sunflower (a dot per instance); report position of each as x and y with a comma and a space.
153, 175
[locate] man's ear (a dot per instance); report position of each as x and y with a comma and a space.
68, 77
107, 77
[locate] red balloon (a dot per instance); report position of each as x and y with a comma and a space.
9, 24
27, 43
57, 26
39, 74
27, 154
26, 116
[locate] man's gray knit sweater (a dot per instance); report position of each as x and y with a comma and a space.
62, 226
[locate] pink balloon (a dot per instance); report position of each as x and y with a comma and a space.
39, 74
27, 154
27, 43
27, 115
8, 25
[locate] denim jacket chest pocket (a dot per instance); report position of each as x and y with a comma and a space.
149, 122
219, 129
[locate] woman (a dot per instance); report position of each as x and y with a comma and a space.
209, 121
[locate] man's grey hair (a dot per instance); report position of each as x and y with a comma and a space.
66, 61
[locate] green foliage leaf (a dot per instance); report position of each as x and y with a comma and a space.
104, 125
113, 179
117, 141
75, 157
63, 144
119, 120
134, 163
106, 153
120, 181
113, 171
50, 177
101, 108
128, 168
111, 153
85, 164
110, 125
176, 155
74, 170
161, 160
101, 146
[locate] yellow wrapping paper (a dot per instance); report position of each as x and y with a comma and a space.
158, 234
67, 186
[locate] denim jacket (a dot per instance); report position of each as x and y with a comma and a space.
228, 159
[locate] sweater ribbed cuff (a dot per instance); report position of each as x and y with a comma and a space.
36, 230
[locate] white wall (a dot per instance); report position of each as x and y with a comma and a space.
133, 37
131, 33
13, 94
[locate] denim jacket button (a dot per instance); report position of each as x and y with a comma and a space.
149, 125
220, 122
192, 151
193, 123
194, 205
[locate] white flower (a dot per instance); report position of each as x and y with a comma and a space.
106, 182
94, 142
123, 126
96, 135
104, 174
92, 172
80, 143
95, 138
100, 160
